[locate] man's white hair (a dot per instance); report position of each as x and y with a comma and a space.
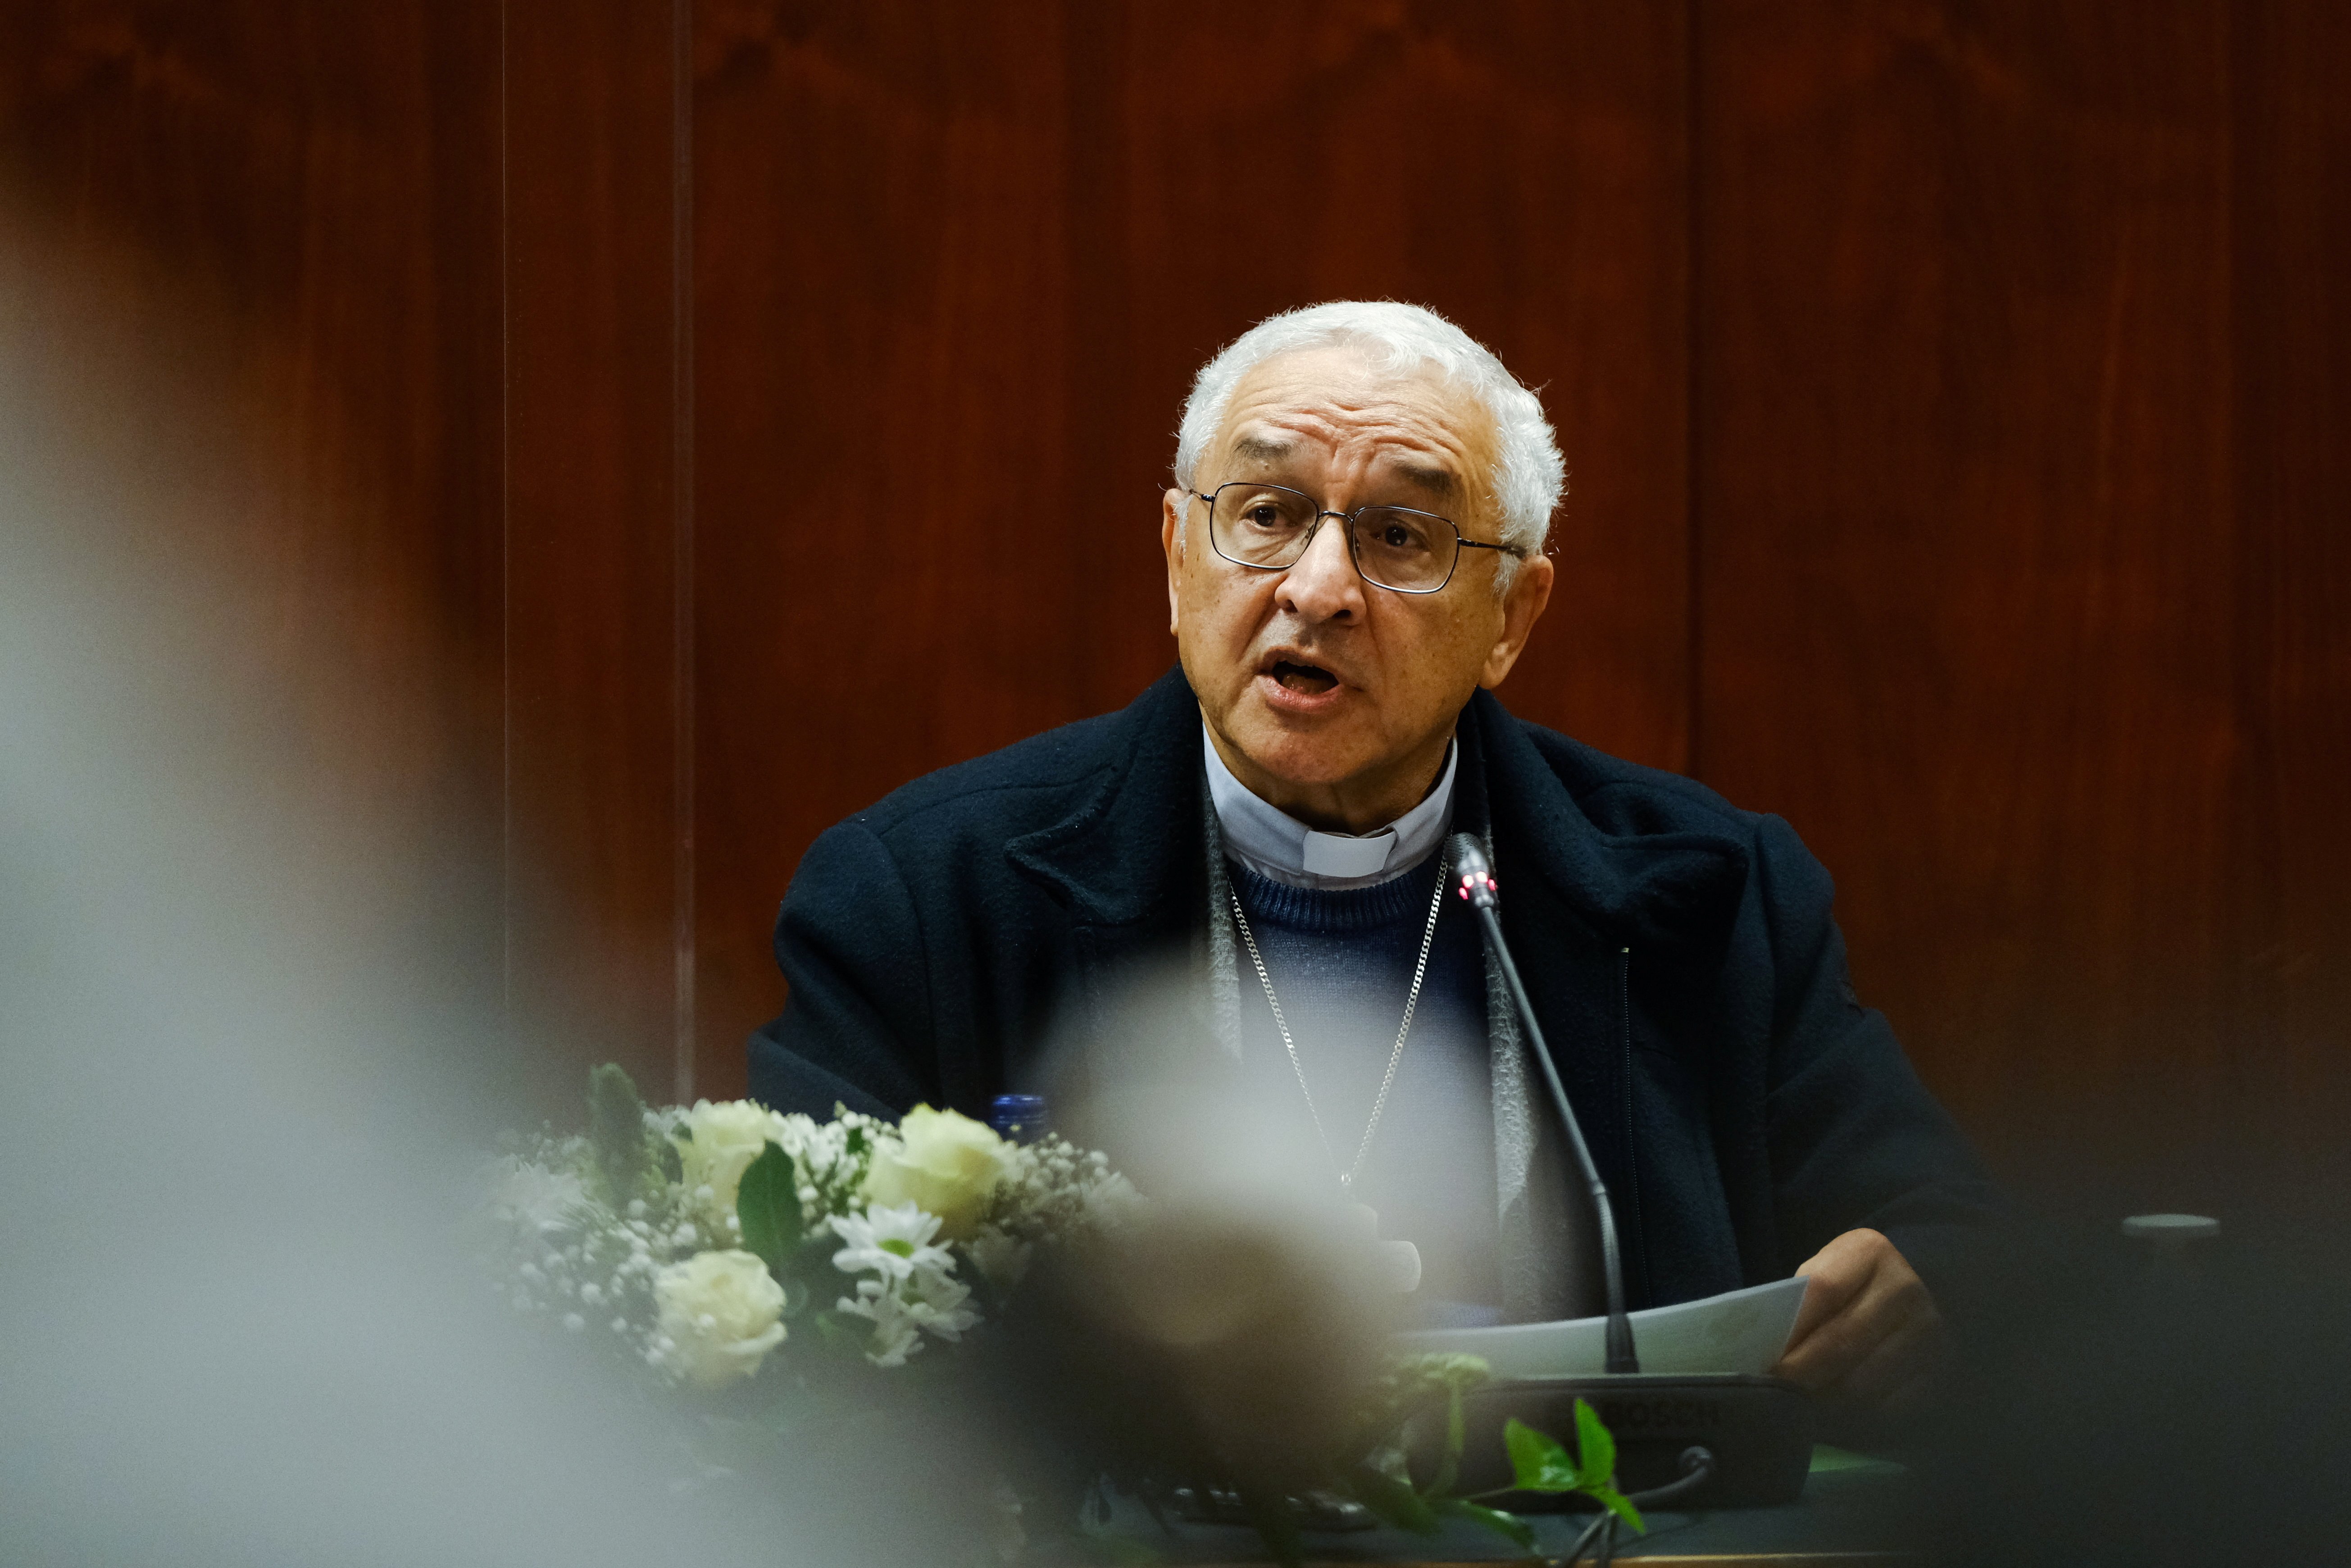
1528, 473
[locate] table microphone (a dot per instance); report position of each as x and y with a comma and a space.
1720, 1440
1477, 885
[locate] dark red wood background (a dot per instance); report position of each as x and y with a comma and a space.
1954, 395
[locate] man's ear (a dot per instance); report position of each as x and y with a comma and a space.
1171, 540
1522, 605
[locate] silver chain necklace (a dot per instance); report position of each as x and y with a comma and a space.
1380, 1104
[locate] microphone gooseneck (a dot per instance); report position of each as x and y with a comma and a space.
1476, 885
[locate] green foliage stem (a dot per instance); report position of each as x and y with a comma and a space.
1373, 1472
1541, 1464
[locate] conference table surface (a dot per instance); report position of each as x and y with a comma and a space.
1853, 1512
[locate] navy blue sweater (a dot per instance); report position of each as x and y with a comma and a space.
1340, 961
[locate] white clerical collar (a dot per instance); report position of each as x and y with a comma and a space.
1274, 843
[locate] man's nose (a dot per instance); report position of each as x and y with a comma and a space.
1324, 585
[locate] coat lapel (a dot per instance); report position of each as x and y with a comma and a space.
1574, 901
1127, 863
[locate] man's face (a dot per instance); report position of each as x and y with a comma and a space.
1330, 698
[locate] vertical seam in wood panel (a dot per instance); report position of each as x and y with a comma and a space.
506, 550
681, 663
1693, 538
2255, 1001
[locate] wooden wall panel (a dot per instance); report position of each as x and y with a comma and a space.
591, 677
2290, 70
1953, 396
953, 272
1998, 599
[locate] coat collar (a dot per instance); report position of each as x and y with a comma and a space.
1647, 890
1128, 853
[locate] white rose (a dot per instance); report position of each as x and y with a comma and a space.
721, 1313
943, 1163
722, 1139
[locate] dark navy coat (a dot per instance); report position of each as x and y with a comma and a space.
1742, 1106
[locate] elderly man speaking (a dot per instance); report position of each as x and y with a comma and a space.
1354, 545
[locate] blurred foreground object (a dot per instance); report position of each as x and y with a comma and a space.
235, 1327
2132, 1410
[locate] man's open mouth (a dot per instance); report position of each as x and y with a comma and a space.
1309, 679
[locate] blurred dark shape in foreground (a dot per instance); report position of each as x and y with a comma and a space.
2134, 1406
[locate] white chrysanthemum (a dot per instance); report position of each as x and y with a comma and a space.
891, 1241
1000, 1256
939, 1302
896, 1335
535, 1197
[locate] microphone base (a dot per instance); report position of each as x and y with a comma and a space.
1760, 1430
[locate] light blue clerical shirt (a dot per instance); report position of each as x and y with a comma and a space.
1276, 844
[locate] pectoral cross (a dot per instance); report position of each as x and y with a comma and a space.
1398, 1265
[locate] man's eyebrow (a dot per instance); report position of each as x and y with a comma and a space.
1262, 448
1429, 476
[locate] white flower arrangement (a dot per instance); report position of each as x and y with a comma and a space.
693, 1239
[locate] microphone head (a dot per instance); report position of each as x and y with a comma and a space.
1471, 869
1469, 855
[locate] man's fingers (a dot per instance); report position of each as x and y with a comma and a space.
1832, 1277
1834, 1348
1872, 1308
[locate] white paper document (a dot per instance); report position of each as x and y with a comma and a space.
1744, 1330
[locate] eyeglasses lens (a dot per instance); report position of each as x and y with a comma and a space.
1261, 525
1268, 526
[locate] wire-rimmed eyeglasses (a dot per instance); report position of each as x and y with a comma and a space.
1269, 527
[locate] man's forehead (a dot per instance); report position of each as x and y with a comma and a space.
1301, 406
1271, 447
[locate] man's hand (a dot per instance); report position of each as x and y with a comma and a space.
1868, 1332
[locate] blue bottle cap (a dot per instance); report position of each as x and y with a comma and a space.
1018, 1117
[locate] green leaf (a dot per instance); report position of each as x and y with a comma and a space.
1595, 1448
1407, 1383
1456, 1435
768, 1205
1827, 1459
1541, 1465
1493, 1519
1394, 1501
1617, 1504
616, 1131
